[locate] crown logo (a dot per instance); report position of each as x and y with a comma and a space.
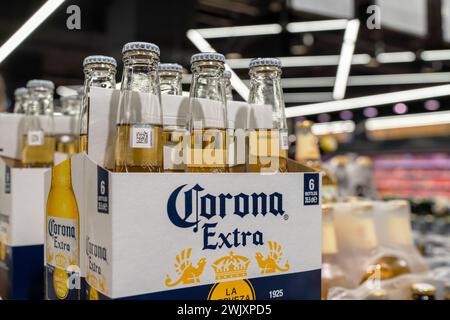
231, 266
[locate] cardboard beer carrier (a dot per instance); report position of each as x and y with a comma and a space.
192, 236
22, 213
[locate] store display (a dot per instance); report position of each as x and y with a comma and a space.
277, 169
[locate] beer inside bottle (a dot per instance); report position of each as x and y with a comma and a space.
207, 148
138, 148
38, 141
268, 147
173, 147
62, 237
99, 71
138, 143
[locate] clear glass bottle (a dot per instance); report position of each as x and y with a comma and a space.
38, 145
308, 153
228, 87
21, 98
138, 145
170, 75
207, 119
174, 129
268, 147
99, 71
332, 273
70, 107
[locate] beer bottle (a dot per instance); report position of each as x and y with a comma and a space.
332, 273
423, 291
174, 122
307, 152
70, 107
268, 147
138, 144
170, 75
207, 119
99, 71
38, 143
21, 99
62, 237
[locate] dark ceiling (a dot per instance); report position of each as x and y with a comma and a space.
56, 53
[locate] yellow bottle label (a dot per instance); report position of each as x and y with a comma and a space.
62, 254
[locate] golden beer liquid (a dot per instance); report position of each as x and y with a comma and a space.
212, 156
267, 160
68, 147
38, 156
129, 159
173, 139
83, 143
61, 203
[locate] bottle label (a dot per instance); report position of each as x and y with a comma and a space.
35, 138
284, 142
141, 137
62, 254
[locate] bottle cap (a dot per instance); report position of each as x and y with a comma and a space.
40, 83
227, 74
142, 46
99, 59
170, 67
20, 91
259, 62
208, 56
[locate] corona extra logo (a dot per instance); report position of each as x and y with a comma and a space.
271, 263
231, 266
187, 272
56, 229
194, 208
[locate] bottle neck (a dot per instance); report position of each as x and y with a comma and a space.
102, 76
61, 174
170, 83
140, 74
207, 81
265, 88
41, 102
228, 90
